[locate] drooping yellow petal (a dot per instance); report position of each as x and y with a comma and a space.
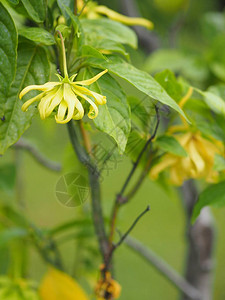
32, 100
44, 87
91, 80
176, 176
61, 112
196, 157
69, 95
111, 14
166, 162
55, 101
100, 99
44, 103
70, 100
57, 285
93, 112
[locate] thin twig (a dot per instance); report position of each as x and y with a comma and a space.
124, 236
39, 157
164, 268
120, 199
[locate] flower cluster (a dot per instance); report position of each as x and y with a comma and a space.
107, 286
63, 96
197, 164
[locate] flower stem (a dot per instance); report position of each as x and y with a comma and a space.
63, 53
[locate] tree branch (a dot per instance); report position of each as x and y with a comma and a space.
161, 266
93, 172
39, 157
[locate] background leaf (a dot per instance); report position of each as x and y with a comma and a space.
38, 35
170, 144
213, 195
32, 68
103, 28
8, 42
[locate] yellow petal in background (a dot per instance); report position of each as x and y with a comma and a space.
57, 285
111, 14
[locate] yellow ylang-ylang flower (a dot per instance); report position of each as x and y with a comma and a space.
107, 286
93, 11
197, 164
57, 285
63, 96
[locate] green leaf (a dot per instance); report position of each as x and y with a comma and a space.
8, 42
213, 195
7, 177
63, 5
90, 51
35, 9
114, 116
170, 144
140, 79
32, 68
213, 98
38, 35
169, 82
219, 163
15, 2
107, 29
106, 45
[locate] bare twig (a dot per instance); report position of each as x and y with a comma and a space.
39, 157
121, 199
165, 269
124, 236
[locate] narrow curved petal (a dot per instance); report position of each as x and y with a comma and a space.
55, 101
30, 101
196, 157
44, 87
91, 80
44, 103
61, 112
167, 161
111, 14
100, 99
93, 112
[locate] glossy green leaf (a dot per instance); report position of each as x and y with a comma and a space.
32, 68
107, 46
213, 195
38, 35
169, 82
114, 116
170, 144
35, 9
13, 1
140, 79
107, 29
7, 177
8, 45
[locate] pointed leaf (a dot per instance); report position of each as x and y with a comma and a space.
8, 42
35, 9
38, 35
32, 68
213, 195
140, 79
